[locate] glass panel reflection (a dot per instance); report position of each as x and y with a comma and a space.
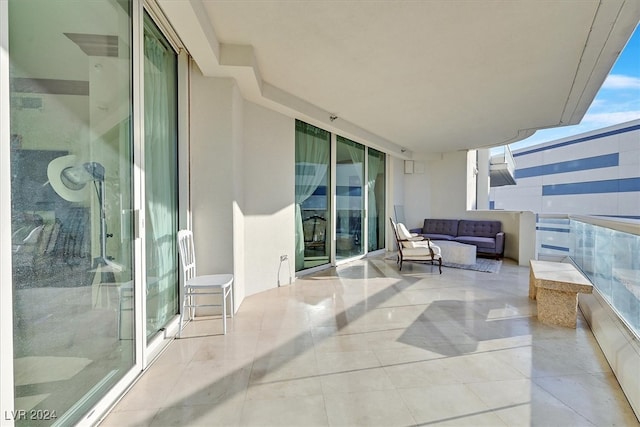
610, 260
376, 201
349, 198
312, 196
70, 79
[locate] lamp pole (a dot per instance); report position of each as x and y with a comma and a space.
100, 263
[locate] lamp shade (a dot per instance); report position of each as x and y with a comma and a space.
55, 174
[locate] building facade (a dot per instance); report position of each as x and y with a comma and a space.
593, 173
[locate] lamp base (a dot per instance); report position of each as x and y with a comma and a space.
103, 279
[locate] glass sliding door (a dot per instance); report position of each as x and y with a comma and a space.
313, 207
376, 199
71, 204
161, 178
349, 198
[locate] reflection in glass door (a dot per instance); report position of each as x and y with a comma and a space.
376, 199
71, 204
161, 177
349, 198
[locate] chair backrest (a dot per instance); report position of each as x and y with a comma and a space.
403, 233
187, 254
395, 234
314, 229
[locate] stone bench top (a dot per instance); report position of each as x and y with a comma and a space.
559, 276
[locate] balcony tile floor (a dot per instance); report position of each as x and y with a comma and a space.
364, 344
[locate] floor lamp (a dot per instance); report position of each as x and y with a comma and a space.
69, 179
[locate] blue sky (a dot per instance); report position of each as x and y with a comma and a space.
617, 101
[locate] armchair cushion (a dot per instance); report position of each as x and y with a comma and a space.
425, 244
421, 253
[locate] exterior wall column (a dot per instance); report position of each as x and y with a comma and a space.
215, 176
482, 179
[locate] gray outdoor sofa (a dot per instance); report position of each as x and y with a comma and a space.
487, 236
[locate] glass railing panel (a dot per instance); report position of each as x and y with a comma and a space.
553, 237
625, 289
609, 258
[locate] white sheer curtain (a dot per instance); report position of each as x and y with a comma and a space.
312, 163
159, 99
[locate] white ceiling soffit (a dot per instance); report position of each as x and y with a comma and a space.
427, 76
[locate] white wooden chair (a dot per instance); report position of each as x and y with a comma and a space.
195, 286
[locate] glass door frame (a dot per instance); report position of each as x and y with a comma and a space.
6, 291
137, 13
145, 351
334, 207
365, 210
149, 350
385, 204
333, 204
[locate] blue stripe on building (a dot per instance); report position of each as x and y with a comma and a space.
555, 248
608, 186
597, 162
344, 190
579, 140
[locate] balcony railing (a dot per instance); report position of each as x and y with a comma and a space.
608, 253
553, 242
607, 250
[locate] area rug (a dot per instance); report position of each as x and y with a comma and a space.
485, 265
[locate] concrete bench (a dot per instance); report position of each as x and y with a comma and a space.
556, 286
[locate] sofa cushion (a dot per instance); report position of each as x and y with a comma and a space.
439, 236
479, 242
479, 228
446, 227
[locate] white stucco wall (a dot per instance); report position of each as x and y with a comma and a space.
417, 198
269, 214
238, 196
448, 172
395, 196
242, 186
215, 138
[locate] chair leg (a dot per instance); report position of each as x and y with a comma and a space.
224, 312
192, 309
440, 265
182, 317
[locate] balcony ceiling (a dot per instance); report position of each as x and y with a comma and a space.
425, 76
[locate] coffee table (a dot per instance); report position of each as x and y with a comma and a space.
456, 253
